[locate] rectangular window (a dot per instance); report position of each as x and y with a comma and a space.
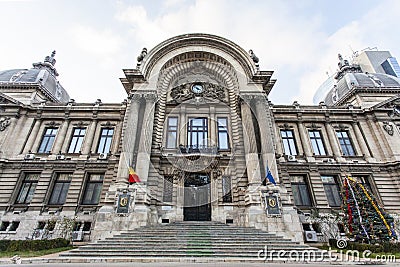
289, 144
331, 190
4, 225
14, 226
364, 180
345, 143
226, 189
168, 188
87, 226
60, 189
223, 137
77, 140
47, 140
300, 191
93, 188
197, 133
105, 140
172, 132
28, 188
316, 142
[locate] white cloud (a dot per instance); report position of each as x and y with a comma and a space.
100, 43
372, 29
276, 34
289, 37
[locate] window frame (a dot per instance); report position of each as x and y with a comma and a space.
170, 130
223, 130
317, 142
227, 194
305, 185
65, 184
286, 142
97, 185
366, 181
347, 142
337, 202
168, 188
194, 129
79, 139
108, 139
29, 192
47, 141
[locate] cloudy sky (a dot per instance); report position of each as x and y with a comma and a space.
96, 39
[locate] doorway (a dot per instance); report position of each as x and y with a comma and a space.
197, 206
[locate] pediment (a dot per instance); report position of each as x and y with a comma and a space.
5, 99
392, 104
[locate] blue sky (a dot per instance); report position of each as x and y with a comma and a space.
96, 39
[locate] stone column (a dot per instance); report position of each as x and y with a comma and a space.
182, 126
32, 136
334, 142
129, 134
146, 136
212, 138
304, 139
361, 141
266, 136
89, 138
250, 146
61, 137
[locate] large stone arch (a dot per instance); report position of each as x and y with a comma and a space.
219, 46
221, 71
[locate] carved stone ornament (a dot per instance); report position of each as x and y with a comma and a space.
4, 122
52, 124
395, 111
184, 92
108, 124
388, 127
286, 126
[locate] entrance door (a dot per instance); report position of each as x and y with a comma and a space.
197, 198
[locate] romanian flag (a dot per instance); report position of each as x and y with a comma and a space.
133, 177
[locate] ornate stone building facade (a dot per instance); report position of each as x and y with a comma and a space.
199, 131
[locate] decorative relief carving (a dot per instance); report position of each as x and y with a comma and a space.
52, 124
108, 124
313, 126
183, 92
286, 126
341, 127
4, 123
388, 128
395, 112
80, 123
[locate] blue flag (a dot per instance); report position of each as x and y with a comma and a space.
269, 176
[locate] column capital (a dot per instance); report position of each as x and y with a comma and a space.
150, 97
135, 96
245, 98
260, 99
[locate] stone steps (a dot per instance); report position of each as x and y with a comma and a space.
192, 240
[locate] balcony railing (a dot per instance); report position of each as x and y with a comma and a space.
198, 149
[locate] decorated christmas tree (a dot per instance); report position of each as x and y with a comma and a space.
365, 220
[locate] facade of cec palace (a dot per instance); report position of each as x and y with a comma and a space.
199, 132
